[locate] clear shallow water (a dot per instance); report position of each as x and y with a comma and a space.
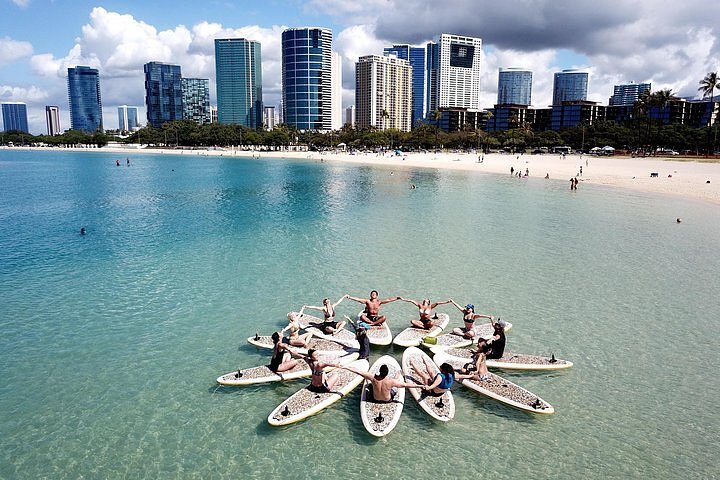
111, 341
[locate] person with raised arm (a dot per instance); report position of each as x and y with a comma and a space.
329, 326
294, 337
384, 387
371, 315
469, 317
426, 308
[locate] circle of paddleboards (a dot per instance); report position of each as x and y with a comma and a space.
379, 418
440, 407
413, 336
499, 388
312, 324
320, 344
263, 374
378, 334
305, 403
511, 361
451, 339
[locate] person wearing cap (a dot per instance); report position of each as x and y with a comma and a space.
469, 317
361, 336
371, 315
426, 309
497, 341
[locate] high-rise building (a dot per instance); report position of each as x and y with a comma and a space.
383, 93
84, 99
269, 118
569, 86
213, 114
307, 78
514, 86
238, 72
14, 116
127, 118
52, 119
416, 57
196, 100
350, 116
163, 93
459, 72
432, 70
336, 91
628, 93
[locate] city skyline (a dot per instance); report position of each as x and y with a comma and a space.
616, 46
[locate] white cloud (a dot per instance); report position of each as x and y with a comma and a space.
11, 50
21, 3
9, 93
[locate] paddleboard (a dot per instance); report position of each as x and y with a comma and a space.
413, 336
320, 344
263, 374
378, 334
309, 324
499, 388
511, 361
484, 330
305, 403
440, 408
379, 418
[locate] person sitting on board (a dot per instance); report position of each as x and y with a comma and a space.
426, 308
320, 381
278, 362
329, 326
371, 315
497, 341
476, 367
434, 383
384, 388
294, 338
361, 336
469, 317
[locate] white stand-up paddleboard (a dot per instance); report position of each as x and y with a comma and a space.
263, 374
484, 330
312, 324
305, 403
379, 418
413, 336
439, 407
511, 361
378, 334
320, 344
499, 388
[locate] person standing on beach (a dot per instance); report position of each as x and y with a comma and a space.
371, 315
512, 170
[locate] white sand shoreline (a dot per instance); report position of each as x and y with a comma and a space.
679, 178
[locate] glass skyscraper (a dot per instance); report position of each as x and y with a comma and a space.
628, 94
14, 116
196, 100
416, 57
238, 72
570, 85
514, 86
163, 93
127, 118
432, 70
307, 78
84, 99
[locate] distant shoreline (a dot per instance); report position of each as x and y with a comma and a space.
679, 178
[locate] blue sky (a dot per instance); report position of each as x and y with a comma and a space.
669, 45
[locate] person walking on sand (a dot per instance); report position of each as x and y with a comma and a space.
384, 387
512, 170
426, 308
329, 326
371, 315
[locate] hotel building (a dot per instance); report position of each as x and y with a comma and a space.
569, 86
84, 99
196, 99
514, 86
163, 93
416, 57
14, 115
127, 118
238, 75
52, 120
383, 93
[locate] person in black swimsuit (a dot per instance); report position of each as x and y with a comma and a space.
278, 362
469, 317
329, 326
320, 381
497, 342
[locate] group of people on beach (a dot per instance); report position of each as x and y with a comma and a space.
285, 358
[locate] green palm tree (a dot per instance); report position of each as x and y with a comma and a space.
709, 84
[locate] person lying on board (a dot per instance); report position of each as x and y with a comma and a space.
329, 326
384, 388
426, 308
469, 317
371, 315
294, 337
434, 383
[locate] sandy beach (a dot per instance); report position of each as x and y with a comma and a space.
686, 178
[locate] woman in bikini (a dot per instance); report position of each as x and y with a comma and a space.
476, 367
434, 383
426, 309
329, 326
469, 317
278, 362
294, 337
321, 382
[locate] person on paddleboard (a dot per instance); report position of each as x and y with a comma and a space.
329, 326
434, 383
278, 362
469, 317
426, 308
384, 387
294, 338
371, 315
320, 382
361, 336
476, 367
497, 341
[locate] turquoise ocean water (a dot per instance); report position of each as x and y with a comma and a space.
111, 342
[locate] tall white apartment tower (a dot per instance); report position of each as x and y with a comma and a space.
459, 71
336, 92
383, 93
